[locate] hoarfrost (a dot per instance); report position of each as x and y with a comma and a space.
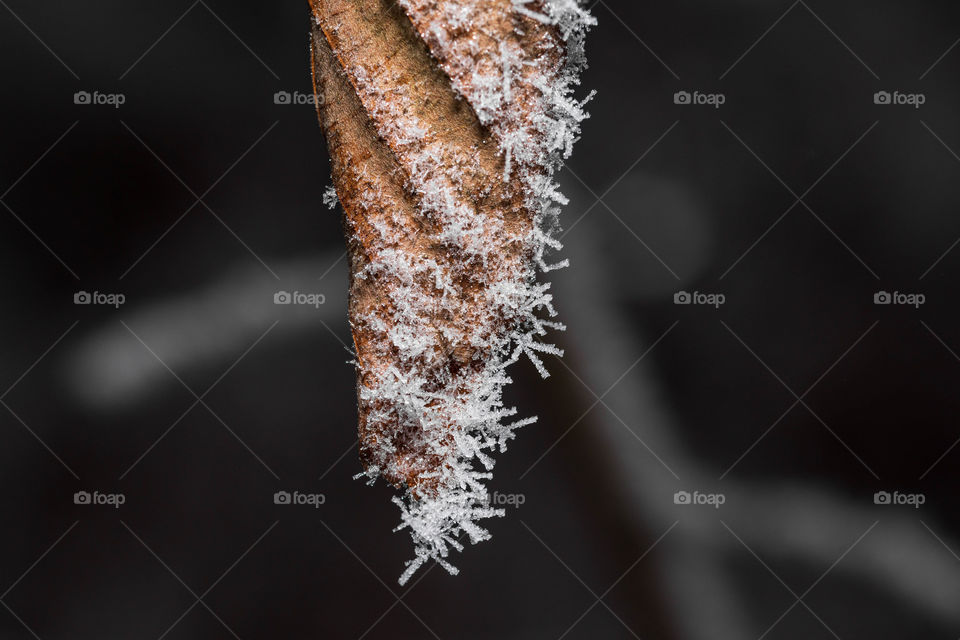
522, 90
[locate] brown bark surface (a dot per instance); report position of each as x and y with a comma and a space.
372, 71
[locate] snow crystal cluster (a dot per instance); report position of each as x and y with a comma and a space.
521, 88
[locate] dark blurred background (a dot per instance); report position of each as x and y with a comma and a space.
812, 428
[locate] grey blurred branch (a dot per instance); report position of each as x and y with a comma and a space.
109, 369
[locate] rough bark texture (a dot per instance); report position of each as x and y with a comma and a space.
382, 69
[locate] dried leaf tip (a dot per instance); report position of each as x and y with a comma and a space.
446, 121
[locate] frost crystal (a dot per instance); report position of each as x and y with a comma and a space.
330, 197
460, 298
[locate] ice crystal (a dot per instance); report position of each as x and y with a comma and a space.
330, 197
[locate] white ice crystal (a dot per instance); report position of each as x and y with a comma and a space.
330, 197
